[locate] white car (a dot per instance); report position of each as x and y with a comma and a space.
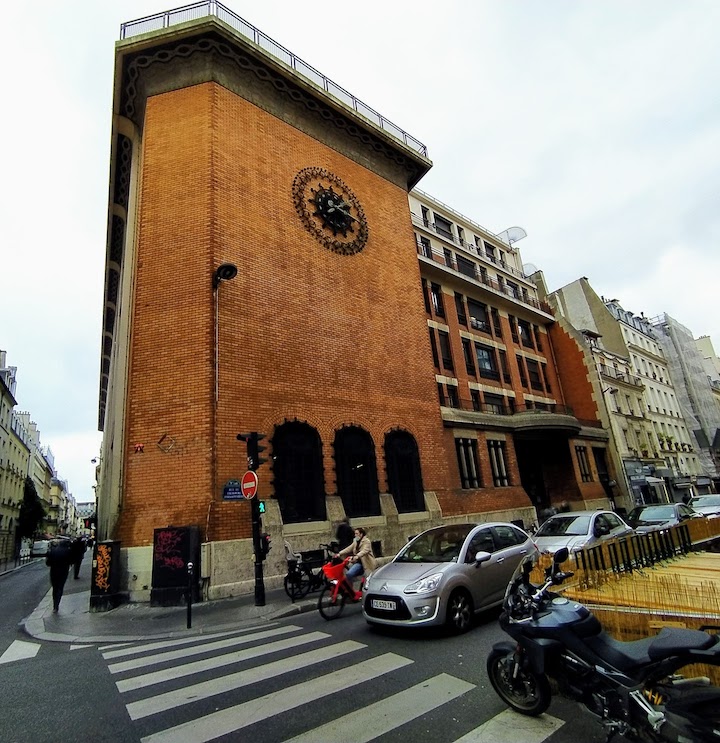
578, 530
706, 504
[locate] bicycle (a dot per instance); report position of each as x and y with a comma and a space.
338, 590
301, 577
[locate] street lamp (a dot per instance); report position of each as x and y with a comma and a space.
224, 272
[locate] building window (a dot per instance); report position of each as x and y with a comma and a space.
443, 227
513, 289
498, 465
582, 457
466, 267
494, 404
521, 369
426, 295
356, 472
445, 352
437, 300
468, 356
533, 369
433, 348
490, 252
468, 463
487, 365
524, 333
453, 397
425, 247
497, 327
513, 329
460, 308
402, 463
441, 394
548, 388
297, 470
448, 257
504, 365
478, 316
475, 397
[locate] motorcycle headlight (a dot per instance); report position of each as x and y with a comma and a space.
424, 585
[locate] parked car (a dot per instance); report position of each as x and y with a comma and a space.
660, 515
577, 530
707, 504
445, 575
39, 548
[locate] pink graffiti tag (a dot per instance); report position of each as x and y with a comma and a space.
167, 551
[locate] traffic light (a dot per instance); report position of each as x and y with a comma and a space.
264, 545
261, 507
253, 448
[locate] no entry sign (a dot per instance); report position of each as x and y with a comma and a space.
249, 484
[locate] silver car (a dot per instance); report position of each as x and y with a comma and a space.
707, 504
445, 575
578, 530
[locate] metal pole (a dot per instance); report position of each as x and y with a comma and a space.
189, 594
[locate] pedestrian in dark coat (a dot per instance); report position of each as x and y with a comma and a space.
78, 552
59, 558
344, 535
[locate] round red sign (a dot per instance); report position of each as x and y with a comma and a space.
249, 484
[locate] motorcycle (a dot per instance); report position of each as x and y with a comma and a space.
632, 687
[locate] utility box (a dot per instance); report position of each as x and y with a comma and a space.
105, 584
173, 548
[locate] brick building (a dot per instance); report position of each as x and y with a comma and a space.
270, 268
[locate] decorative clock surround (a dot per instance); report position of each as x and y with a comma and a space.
330, 210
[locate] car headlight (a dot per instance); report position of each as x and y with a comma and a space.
424, 585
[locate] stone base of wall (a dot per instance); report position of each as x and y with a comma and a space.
227, 568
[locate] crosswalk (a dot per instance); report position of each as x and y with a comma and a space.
199, 689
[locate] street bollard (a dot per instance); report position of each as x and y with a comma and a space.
189, 594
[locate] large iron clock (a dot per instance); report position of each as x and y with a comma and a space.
330, 210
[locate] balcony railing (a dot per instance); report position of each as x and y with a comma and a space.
213, 8
509, 409
611, 373
482, 278
476, 249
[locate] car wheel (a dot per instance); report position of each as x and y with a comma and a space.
459, 613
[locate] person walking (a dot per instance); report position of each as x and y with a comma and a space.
79, 547
361, 555
59, 558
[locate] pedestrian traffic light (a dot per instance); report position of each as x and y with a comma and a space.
264, 545
253, 448
261, 506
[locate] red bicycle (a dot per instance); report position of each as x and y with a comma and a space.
337, 590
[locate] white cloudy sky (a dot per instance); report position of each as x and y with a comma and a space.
592, 124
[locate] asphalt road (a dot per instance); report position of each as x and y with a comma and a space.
300, 678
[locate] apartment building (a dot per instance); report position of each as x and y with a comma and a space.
272, 267
697, 397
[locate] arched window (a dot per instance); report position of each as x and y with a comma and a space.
402, 463
356, 472
298, 472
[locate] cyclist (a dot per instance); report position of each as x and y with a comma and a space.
361, 555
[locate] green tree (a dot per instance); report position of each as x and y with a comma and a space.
31, 511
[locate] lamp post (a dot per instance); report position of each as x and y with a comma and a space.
224, 272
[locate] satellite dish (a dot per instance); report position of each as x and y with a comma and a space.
529, 269
512, 235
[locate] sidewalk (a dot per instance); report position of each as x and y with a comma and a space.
74, 623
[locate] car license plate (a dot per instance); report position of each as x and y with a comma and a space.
386, 605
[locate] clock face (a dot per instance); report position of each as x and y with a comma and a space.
330, 210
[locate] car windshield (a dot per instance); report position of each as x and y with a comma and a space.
705, 500
436, 545
564, 525
653, 513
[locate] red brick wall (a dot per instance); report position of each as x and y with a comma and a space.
304, 332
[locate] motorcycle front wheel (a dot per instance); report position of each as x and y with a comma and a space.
330, 606
526, 692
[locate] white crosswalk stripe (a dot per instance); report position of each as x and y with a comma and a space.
20, 650
154, 696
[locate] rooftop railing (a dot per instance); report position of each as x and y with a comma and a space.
213, 8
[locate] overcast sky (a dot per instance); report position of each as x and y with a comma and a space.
593, 125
